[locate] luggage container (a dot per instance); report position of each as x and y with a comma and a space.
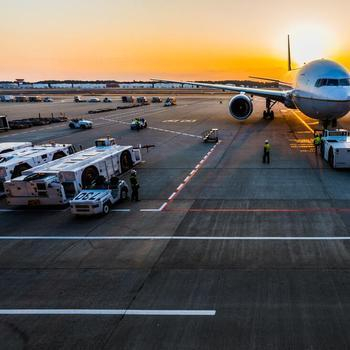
12, 146
13, 164
58, 182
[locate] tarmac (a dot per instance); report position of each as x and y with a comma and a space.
222, 251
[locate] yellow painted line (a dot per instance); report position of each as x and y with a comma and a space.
307, 126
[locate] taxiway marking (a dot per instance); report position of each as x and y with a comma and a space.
188, 178
303, 122
107, 312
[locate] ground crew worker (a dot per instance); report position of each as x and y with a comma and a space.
317, 142
100, 183
267, 148
134, 186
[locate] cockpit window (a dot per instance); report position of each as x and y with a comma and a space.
344, 82
333, 82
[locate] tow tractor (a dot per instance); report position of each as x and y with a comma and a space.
138, 124
99, 201
80, 124
335, 147
170, 101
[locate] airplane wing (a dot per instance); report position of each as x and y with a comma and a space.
275, 95
279, 82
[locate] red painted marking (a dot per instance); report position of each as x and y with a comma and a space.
271, 210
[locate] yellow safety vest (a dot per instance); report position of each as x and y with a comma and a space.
267, 147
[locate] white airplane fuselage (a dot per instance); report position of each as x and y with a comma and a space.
322, 90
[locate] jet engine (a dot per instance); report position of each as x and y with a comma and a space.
241, 107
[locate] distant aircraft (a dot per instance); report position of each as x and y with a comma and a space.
321, 91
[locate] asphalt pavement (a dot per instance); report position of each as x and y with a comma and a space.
222, 251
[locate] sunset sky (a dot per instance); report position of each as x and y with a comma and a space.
180, 39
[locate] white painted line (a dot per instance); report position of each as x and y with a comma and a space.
107, 312
197, 166
149, 210
121, 210
172, 196
172, 238
163, 206
187, 178
180, 187
192, 172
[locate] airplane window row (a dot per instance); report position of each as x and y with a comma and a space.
333, 82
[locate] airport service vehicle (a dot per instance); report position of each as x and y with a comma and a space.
107, 100
4, 125
80, 124
21, 99
98, 201
60, 181
47, 99
6, 147
170, 101
157, 99
94, 100
335, 148
12, 164
321, 91
142, 100
34, 99
138, 124
128, 99
8, 98
78, 99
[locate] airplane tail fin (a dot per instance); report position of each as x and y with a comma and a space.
289, 56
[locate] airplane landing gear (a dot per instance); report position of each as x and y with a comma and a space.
269, 113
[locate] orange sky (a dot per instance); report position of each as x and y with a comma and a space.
141, 39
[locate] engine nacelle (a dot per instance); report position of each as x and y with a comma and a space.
241, 107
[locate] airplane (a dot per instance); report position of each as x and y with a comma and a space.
321, 91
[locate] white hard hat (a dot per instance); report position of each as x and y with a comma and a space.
266, 141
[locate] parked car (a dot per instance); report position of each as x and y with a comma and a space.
107, 100
94, 100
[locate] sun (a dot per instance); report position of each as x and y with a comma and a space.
310, 42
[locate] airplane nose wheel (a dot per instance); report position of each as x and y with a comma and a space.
269, 114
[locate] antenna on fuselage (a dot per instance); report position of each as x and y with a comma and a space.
289, 56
